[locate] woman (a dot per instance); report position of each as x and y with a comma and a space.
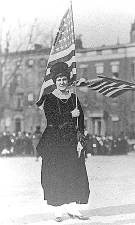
63, 174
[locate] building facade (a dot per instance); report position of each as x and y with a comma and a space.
21, 78
105, 115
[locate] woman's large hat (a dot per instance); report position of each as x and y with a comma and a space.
60, 69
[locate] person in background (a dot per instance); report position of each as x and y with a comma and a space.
63, 173
35, 139
29, 148
86, 134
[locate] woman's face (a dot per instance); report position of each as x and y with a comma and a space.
61, 83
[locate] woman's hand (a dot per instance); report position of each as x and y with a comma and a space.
75, 113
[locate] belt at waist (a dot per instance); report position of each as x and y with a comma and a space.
61, 125
51, 125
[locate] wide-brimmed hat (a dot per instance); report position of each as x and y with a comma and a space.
60, 69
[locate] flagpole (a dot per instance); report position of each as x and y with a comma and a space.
75, 88
62, 50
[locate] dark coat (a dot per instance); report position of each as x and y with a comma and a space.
63, 175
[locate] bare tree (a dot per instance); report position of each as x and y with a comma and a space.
10, 82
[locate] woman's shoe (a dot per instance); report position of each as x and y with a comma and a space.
58, 214
80, 217
58, 219
71, 216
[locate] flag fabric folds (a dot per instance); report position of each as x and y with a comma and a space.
106, 86
63, 50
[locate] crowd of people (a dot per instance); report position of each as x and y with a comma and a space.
107, 145
24, 143
20, 143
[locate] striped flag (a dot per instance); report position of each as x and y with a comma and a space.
106, 86
63, 50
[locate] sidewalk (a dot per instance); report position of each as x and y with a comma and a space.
32, 213
112, 198
40, 215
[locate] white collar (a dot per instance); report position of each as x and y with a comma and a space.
61, 95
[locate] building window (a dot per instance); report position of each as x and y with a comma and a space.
115, 68
99, 68
19, 101
83, 69
17, 125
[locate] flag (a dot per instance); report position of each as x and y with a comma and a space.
106, 86
63, 50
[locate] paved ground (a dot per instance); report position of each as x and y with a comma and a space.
112, 199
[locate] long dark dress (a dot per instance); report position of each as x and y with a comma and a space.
63, 175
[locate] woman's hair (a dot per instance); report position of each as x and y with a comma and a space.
60, 69
60, 75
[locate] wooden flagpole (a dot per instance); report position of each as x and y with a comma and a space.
75, 89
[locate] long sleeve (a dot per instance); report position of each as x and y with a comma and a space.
81, 117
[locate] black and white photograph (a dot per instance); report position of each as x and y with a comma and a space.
67, 112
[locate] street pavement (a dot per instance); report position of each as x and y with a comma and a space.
112, 198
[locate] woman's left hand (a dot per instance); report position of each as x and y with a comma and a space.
75, 113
